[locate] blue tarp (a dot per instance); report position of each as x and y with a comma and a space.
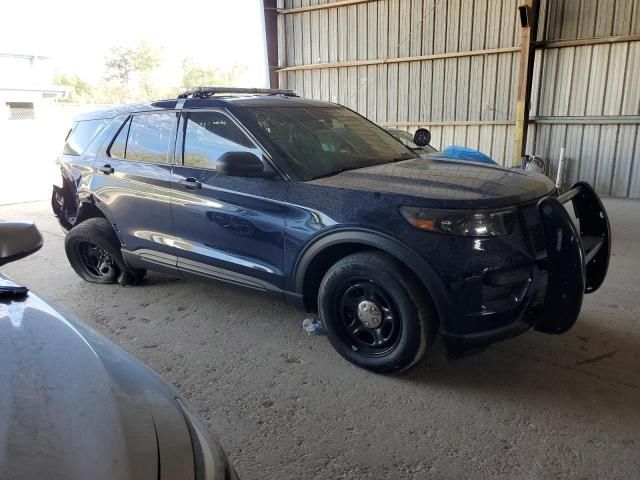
464, 153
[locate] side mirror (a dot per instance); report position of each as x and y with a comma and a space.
422, 137
239, 164
18, 240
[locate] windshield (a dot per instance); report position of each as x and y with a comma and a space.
322, 141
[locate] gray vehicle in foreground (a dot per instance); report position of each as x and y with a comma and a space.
75, 406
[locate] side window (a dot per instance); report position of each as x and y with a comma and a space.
119, 145
209, 135
150, 137
82, 134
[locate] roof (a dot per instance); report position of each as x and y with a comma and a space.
112, 112
250, 101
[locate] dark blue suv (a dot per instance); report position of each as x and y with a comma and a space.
312, 203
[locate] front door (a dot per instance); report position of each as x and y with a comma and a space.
229, 228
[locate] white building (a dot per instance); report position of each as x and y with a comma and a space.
32, 127
26, 86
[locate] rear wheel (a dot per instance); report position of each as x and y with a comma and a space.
97, 263
93, 250
375, 313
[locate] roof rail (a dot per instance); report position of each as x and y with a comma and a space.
204, 92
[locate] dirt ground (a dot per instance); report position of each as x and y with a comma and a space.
286, 406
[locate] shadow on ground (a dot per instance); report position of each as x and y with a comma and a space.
564, 372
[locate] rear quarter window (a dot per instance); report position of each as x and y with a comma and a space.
82, 134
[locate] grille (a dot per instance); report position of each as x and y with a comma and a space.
532, 227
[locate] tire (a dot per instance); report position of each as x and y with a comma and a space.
93, 250
375, 313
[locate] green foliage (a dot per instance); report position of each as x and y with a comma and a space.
79, 90
112, 92
128, 77
123, 61
195, 75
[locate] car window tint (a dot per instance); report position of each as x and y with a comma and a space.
209, 135
82, 134
320, 141
150, 137
118, 147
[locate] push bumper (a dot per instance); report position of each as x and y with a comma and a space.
575, 263
577, 256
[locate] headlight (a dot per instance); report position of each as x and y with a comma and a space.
470, 223
211, 463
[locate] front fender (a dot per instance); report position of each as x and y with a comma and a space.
410, 258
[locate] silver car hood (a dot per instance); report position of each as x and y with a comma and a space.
75, 406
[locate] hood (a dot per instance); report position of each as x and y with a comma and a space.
445, 183
75, 406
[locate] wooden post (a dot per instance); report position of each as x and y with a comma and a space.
529, 11
271, 34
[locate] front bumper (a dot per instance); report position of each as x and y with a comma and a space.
574, 262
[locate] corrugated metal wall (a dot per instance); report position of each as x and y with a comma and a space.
599, 84
452, 65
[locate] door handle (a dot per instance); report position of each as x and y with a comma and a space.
190, 183
106, 169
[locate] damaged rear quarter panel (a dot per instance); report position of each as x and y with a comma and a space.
76, 173
67, 200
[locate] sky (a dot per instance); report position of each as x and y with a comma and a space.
78, 34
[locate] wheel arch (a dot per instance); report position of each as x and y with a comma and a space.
92, 208
88, 209
323, 252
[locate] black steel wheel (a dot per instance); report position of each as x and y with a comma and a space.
97, 262
93, 250
369, 317
375, 312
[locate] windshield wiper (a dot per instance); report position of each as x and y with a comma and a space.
330, 174
404, 156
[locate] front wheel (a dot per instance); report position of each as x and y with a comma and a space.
375, 312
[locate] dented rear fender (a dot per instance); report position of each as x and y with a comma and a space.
70, 210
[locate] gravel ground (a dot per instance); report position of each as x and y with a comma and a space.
286, 406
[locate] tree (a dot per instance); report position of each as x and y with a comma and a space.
111, 93
79, 90
123, 61
195, 75
236, 73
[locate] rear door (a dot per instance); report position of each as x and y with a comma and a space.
227, 227
132, 181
